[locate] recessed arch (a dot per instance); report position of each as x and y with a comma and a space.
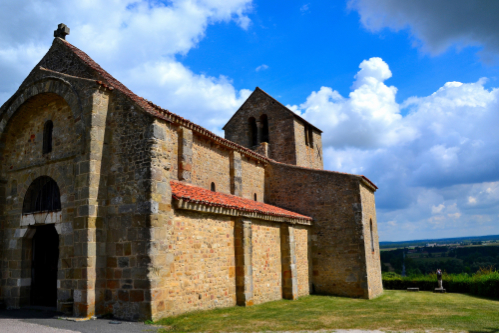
43, 195
56, 86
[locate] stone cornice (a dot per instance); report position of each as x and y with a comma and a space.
185, 205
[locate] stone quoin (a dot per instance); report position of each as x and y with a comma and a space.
118, 206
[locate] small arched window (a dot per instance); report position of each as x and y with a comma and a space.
213, 188
255, 197
253, 132
264, 121
372, 236
47, 136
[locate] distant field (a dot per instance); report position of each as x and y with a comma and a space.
423, 242
395, 311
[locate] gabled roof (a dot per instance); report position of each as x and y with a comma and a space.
259, 90
198, 195
154, 109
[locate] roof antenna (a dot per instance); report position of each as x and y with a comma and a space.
62, 31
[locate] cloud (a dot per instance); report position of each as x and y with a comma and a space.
136, 41
436, 25
305, 8
437, 165
262, 68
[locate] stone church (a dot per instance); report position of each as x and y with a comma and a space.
113, 205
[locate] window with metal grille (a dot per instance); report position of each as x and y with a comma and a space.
43, 195
47, 136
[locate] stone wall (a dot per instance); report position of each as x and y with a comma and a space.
210, 163
134, 198
201, 260
253, 179
280, 121
303, 265
310, 155
373, 262
338, 233
267, 268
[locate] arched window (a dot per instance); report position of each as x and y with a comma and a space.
372, 236
213, 188
253, 132
255, 197
264, 121
47, 137
42, 196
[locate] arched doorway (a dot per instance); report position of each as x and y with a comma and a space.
45, 257
41, 199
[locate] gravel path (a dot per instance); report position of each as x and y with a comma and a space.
22, 321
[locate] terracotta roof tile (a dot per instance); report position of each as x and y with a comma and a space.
191, 193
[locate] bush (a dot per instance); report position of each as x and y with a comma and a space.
485, 282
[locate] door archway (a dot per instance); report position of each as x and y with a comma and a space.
42, 198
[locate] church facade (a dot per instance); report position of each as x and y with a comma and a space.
114, 205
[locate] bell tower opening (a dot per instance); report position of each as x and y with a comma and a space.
45, 256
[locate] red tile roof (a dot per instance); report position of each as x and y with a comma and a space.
194, 194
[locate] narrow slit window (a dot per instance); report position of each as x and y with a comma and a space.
264, 121
253, 132
47, 137
310, 137
255, 197
305, 131
213, 187
372, 237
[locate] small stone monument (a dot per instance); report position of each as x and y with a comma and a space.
440, 288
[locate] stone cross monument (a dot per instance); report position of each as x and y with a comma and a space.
62, 31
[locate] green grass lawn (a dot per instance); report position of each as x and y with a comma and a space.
395, 311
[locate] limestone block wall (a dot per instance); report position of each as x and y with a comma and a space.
303, 264
202, 263
22, 163
210, 163
307, 156
338, 234
267, 268
373, 262
253, 179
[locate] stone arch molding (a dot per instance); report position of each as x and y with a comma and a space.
59, 87
27, 220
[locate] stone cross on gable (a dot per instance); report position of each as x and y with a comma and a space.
62, 31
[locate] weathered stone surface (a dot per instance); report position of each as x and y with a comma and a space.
127, 249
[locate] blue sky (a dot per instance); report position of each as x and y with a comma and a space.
405, 92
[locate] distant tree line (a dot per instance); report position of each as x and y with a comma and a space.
451, 260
